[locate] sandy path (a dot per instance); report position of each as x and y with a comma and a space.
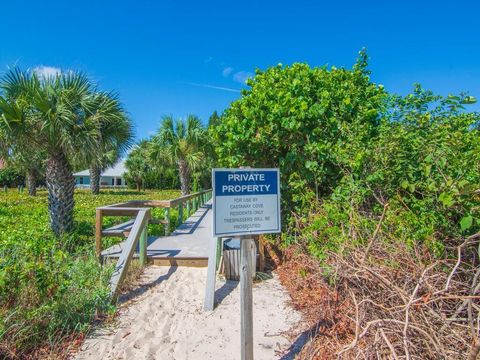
165, 320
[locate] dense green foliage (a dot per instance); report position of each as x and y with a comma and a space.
181, 143
346, 148
145, 173
115, 135
25, 160
180, 154
49, 289
424, 162
214, 119
67, 120
294, 117
10, 177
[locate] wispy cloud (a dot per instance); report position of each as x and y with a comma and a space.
227, 71
46, 71
242, 76
215, 87
209, 59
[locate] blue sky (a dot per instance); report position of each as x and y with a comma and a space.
181, 57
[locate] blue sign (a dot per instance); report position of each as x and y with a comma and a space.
246, 201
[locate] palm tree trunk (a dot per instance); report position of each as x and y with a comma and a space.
95, 172
184, 177
61, 186
31, 180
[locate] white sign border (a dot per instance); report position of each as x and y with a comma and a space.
254, 232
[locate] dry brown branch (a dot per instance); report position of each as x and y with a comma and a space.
474, 350
389, 301
389, 344
375, 233
414, 306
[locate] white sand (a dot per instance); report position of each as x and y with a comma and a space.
165, 320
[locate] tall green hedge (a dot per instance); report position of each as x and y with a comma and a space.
346, 148
293, 117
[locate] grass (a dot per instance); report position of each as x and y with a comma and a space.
52, 289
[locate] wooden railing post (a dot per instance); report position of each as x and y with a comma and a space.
218, 255
143, 245
246, 303
167, 221
98, 232
141, 221
209, 302
188, 208
180, 214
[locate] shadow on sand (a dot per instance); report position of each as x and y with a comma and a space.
222, 293
302, 340
144, 287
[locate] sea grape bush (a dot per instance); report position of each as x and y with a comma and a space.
293, 117
346, 148
424, 162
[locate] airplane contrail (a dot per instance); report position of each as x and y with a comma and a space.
214, 87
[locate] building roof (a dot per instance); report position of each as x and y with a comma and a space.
117, 170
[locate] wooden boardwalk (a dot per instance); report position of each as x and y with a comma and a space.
188, 245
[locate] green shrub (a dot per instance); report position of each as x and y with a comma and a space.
346, 148
292, 117
424, 161
11, 178
55, 297
51, 289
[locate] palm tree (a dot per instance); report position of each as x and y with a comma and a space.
180, 142
49, 113
24, 159
114, 136
138, 165
214, 119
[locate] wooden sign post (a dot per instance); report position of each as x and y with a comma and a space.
246, 300
246, 202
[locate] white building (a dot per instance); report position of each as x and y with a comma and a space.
112, 177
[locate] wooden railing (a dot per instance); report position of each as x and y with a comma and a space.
137, 229
138, 232
189, 203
